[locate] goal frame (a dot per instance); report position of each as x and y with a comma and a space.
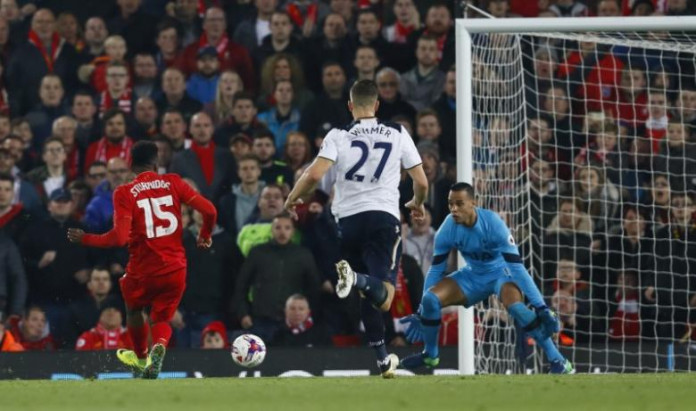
464, 28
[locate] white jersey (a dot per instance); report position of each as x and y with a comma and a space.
368, 155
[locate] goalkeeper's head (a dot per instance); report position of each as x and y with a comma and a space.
363, 99
144, 156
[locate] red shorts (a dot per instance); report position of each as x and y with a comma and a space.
162, 293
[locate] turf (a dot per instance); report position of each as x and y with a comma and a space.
536, 392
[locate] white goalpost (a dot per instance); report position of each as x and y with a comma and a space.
590, 145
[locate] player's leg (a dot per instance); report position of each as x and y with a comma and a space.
454, 289
133, 295
529, 289
513, 301
166, 292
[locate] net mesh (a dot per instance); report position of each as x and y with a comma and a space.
583, 143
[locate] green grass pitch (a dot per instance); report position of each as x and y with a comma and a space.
535, 392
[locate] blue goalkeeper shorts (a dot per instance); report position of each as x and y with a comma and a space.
478, 287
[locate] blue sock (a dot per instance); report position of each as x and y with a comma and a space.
524, 316
551, 350
372, 287
430, 318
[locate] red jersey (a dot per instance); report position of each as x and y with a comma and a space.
147, 216
99, 338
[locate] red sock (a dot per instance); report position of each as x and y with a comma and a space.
139, 336
161, 332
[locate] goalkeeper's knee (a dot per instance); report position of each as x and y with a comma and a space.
430, 306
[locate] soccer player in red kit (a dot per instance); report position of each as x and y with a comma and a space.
147, 216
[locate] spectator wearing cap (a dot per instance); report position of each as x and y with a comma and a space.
109, 332
214, 336
84, 313
231, 55
13, 280
135, 25
243, 119
330, 106
24, 192
439, 25
173, 128
390, 102
237, 206
32, 330
44, 52
174, 94
52, 175
280, 40
272, 171
284, 117
209, 281
251, 31
422, 85
299, 329
203, 83
208, 164
57, 269
240, 146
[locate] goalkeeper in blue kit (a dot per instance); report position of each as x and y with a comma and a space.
493, 266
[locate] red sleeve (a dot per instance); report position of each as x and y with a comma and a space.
199, 203
85, 342
118, 235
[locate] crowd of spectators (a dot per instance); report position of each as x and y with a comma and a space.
238, 95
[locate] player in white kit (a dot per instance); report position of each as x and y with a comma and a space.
368, 156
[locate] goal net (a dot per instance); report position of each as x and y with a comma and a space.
583, 142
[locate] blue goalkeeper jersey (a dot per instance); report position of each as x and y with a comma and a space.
487, 247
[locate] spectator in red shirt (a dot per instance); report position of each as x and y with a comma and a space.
231, 55
115, 143
32, 331
108, 334
658, 118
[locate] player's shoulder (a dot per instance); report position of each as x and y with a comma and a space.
391, 124
448, 224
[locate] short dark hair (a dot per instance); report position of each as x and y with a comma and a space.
111, 113
243, 95
7, 177
52, 139
364, 93
96, 164
462, 186
264, 133
144, 154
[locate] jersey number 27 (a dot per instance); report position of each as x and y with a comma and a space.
152, 206
364, 152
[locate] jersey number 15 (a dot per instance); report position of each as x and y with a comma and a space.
152, 206
365, 151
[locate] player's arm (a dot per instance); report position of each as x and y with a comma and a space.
118, 235
444, 242
412, 162
201, 204
328, 154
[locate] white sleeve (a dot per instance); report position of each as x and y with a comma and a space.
409, 153
329, 147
